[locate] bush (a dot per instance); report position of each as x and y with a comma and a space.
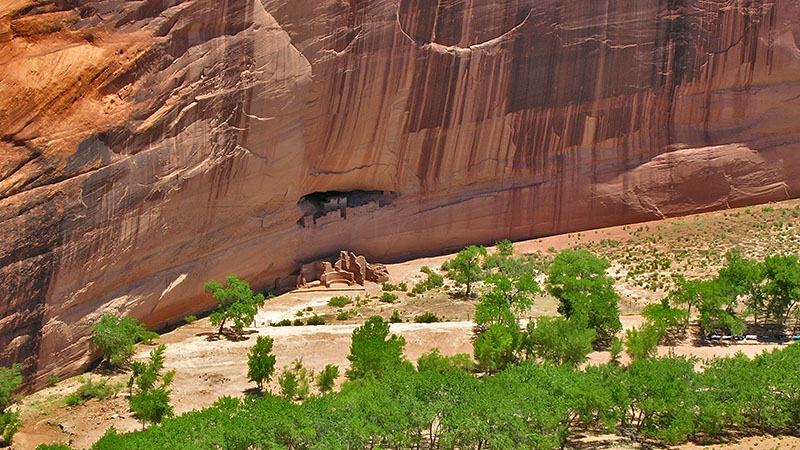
339, 301
189, 319
89, 390
642, 343
282, 323
294, 382
388, 297
434, 361
326, 379
115, 337
373, 352
432, 281
559, 340
395, 318
150, 402
10, 380
52, 380
298, 322
402, 286
315, 320
345, 315
427, 317
261, 362
389, 287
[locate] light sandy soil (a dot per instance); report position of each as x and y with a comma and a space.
209, 367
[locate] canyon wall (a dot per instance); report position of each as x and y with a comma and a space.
149, 146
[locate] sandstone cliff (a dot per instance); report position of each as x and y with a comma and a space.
149, 146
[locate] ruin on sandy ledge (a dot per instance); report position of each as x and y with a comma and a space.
350, 269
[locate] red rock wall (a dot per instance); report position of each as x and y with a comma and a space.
147, 147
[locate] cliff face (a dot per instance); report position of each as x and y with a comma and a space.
147, 147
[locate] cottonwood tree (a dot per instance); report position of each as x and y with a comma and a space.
327, 377
150, 393
116, 338
559, 340
235, 302
373, 352
783, 286
10, 380
261, 362
465, 269
578, 280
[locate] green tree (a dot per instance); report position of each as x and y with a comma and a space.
261, 362
717, 308
150, 401
373, 352
434, 361
506, 300
783, 286
687, 293
295, 381
465, 268
495, 348
578, 280
327, 378
116, 338
10, 381
235, 302
642, 342
665, 317
746, 277
559, 340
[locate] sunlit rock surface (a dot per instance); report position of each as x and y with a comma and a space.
149, 146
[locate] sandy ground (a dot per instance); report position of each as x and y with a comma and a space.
209, 367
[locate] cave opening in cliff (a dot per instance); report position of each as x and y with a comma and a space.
337, 204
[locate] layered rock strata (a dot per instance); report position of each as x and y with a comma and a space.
149, 146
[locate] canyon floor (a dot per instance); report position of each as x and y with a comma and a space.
646, 259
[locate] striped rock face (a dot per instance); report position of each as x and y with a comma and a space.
147, 147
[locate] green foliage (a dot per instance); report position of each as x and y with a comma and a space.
298, 322
642, 343
616, 349
434, 361
494, 349
746, 277
388, 297
295, 381
282, 323
578, 280
52, 380
427, 317
559, 341
402, 286
373, 352
504, 247
261, 362
783, 286
53, 447
465, 269
149, 388
235, 302
389, 287
717, 308
665, 317
10, 381
395, 318
339, 301
115, 337
530, 406
190, 318
345, 315
327, 378
315, 320
506, 300
432, 281
89, 390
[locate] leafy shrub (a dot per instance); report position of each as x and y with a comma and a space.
388, 297
190, 318
326, 379
89, 390
315, 320
115, 337
261, 362
427, 317
52, 380
345, 315
298, 322
10, 380
294, 381
389, 287
432, 281
339, 301
402, 286
395, 318
282, 323
434, 361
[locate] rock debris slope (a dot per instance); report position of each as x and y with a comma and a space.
149, 146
